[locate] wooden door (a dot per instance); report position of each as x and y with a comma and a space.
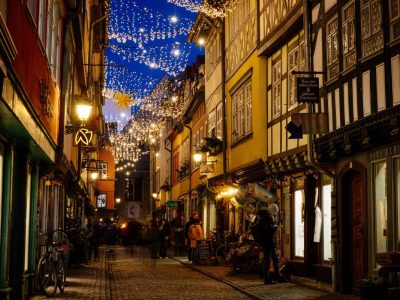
357, 234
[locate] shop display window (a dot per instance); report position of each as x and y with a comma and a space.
299, 223
27, 216
380, 203
397, 193
102, 200
1, 180
326, 221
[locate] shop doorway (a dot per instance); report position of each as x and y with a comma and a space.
353, 248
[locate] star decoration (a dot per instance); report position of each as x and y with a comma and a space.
123, 100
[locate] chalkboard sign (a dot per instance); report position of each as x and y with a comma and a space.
204, 250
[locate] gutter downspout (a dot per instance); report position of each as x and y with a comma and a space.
90, 47
170, 165
309, 65
190, 160
223, 77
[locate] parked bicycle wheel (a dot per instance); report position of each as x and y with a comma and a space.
222, 255
61, 272
47, 276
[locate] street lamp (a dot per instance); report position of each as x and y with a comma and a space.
198, 157
94, 175
83, 110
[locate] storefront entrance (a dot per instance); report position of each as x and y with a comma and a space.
353, 250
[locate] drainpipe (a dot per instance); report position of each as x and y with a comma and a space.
90, 47
170, 164
309, 65
223, 77
190, 160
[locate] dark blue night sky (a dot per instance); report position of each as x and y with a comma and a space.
145, 40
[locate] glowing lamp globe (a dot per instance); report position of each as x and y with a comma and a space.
197, 157
83, 110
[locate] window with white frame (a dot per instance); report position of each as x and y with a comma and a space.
103, 169
296, 62
32, 6
42, 21
348, 36
371, 27
214, 122
394, 19
332, 48
213, 53
184, 153
238, 16
241, 112
53, 35
276, 88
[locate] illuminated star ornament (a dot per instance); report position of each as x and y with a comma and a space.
123, 100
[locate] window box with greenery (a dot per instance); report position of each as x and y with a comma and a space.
212, 145
183, 171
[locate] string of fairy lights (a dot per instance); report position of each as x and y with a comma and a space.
140, 35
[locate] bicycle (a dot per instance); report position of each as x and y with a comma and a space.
51, 269
223, 252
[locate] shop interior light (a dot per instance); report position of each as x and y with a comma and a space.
154, 195
118, 200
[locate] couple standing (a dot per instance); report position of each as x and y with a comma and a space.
193, 233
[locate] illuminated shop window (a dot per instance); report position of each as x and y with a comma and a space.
1, 179
326, 219
380, 203
299, 223
102, 200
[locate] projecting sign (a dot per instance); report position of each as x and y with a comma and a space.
311, 123
308, 89
83, 137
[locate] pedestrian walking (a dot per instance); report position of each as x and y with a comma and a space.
164, 232
153, 238
94, 238
179, 238
264, 234
195, 234
187, 240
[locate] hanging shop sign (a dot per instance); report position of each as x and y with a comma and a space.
83, 137
307, 89
171, 203
261, 194
206, 169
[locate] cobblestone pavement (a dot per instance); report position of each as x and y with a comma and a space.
130, 274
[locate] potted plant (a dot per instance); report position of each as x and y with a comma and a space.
212, 145
372, 287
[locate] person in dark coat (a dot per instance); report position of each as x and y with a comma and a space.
268, 227
95, 238
179, 239
153, 237
164, 232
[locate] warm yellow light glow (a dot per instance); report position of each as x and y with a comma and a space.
127, 173
226, 193
112, 219
201, 42
94, 175
198, 157
123, 225
157, 154
83, 110
118, 200
174, 19
101, 219
154, 195
174, 98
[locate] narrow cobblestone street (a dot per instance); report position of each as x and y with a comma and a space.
124, 273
